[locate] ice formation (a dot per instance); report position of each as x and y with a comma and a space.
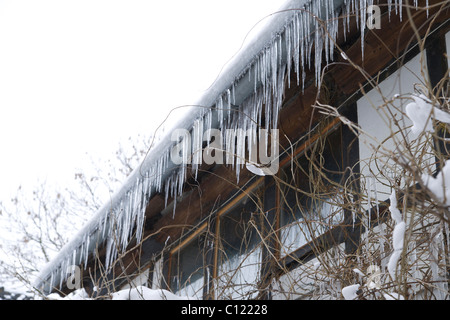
300, 36
397, 235
439, 186
350, 292
421, 112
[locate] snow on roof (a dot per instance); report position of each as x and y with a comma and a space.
253, 78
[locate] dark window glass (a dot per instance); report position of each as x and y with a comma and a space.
310, 197
239, 253
187, 269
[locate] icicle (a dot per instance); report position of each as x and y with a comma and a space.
389, 9
259, 107
126, 225
308, 39
86, 254
228, 107
240, 143
66, 264
230, 146
62, 274
304, 40
333, 30
345, 20
166, 192
161, 166
219, 106
114, 232
104, 225
318, 54
52, 279
279, 97
436, 279
255, 82
412, 261
108, 252
208, 123
296, 42
363, 15
233, 94
139, 211
288, 54
326, 41
263, 68
356, 11
174, 207
353, 219
197, 143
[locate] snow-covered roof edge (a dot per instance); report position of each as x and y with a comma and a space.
83, 243
253, 78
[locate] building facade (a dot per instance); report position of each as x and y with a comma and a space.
301, 174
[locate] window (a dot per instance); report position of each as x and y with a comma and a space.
310, 195
232, 260
239, 253
187, 271
140, 280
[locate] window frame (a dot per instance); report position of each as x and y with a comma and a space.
195, 235
205, 228
329, 238
238, 202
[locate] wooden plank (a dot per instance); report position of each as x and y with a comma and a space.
191, 237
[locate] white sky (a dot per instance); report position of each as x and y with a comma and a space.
80, 76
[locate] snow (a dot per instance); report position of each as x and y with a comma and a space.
439, 186
421, 112
395, 212
144, 293
350, 292
393, 296
79, 294
397, 235
359, 272
136, 293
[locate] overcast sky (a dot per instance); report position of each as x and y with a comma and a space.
79, 76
